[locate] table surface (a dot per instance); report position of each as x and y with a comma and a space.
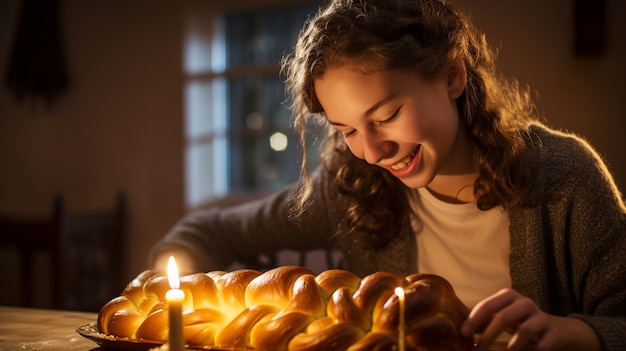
36, 329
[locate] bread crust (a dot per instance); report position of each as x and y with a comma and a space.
291, 308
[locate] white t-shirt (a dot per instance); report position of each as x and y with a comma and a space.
467, 246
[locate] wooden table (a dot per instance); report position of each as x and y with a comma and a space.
36, 329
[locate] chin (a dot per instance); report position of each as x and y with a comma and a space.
415, 182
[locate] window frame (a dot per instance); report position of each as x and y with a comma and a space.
202, 34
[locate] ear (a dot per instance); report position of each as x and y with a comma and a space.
457, 79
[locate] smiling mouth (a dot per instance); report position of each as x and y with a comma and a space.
405, 161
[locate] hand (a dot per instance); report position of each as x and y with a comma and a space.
530, 327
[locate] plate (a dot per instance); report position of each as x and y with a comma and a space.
91, 332
112, 342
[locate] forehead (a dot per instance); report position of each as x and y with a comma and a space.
346, 92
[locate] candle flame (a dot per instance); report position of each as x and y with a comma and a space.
172, 273
400, 292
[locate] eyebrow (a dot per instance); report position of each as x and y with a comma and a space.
369, 111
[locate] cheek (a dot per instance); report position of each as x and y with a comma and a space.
411, 130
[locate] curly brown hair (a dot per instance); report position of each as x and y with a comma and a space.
431, 38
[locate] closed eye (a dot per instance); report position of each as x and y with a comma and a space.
390, 119
350, 133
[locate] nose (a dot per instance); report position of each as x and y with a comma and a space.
375, 148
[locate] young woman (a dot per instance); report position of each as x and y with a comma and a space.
435, 163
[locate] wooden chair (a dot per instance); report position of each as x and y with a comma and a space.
29, 236
86, 254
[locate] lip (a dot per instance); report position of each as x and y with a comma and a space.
410, 168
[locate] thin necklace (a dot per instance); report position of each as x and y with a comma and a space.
461, 189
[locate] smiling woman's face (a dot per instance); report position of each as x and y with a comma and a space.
398, 121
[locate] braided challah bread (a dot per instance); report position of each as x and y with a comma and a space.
291, 308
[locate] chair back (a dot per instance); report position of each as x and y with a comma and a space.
29, 237
85, 256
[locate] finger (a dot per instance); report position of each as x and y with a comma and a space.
528, 332
481, 314
494, 329
548, 341
510, 318
535, 334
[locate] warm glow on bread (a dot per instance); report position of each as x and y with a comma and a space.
292, 308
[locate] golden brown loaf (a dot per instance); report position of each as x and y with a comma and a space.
291, 308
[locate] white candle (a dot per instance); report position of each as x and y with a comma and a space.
175, 298
401, 325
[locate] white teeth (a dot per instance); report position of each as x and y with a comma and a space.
404, 162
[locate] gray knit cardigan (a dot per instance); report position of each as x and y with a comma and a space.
568, 251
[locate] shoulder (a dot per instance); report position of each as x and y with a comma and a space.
561, 151
565, 162
555, 143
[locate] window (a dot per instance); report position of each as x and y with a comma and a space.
238, 132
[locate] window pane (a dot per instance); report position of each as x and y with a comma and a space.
197, 112
258, 37
235, 110
256, 103
202, 182
256, 113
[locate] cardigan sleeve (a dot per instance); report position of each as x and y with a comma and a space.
584, 238
598, 251
217, 237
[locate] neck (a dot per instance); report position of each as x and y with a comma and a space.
456, 189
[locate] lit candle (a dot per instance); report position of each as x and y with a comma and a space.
401, 325
175, 298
